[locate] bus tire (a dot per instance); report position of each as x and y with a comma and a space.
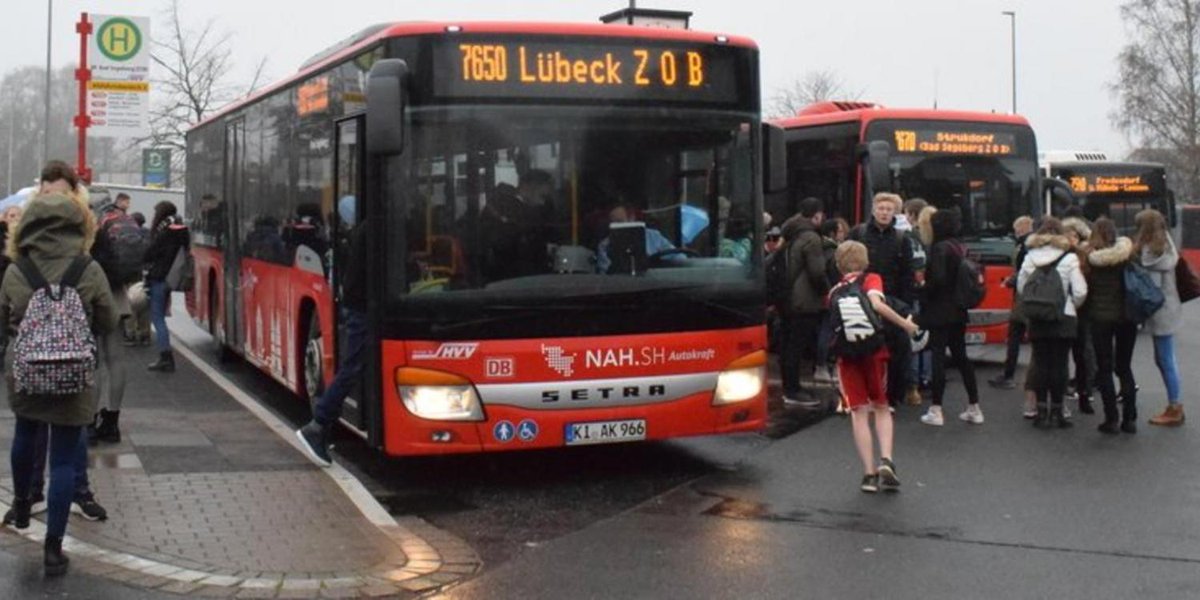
312, 382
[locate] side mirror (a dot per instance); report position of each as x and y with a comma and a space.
775, 178
1058, 196
386, 99
875, 157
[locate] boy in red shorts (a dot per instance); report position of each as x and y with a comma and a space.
864, 379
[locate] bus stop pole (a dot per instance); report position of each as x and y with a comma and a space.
83, 75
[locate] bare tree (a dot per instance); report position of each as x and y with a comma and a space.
193, 80
814, 86
1158, 86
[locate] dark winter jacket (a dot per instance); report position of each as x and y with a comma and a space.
806, 266
829, 248
945, 257
1106, 282
52, 233
165, 241
890, 256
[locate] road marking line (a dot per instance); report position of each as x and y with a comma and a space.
370, 508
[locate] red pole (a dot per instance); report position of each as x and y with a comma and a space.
83, 75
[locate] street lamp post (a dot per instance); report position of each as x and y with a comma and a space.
1012, 15
46, 122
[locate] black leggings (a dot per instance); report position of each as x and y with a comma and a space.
954, 337
1050, 356
1104, 336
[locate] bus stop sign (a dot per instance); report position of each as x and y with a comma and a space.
156, 167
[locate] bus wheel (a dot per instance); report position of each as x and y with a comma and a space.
314, 380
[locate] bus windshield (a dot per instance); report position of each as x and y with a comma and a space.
988, 171
1115, 190
544, 207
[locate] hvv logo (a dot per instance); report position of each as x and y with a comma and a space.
448, 351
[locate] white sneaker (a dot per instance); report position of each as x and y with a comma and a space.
1066, 411
933, 416
972, 415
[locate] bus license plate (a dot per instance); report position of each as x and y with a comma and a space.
976, 337
605, 432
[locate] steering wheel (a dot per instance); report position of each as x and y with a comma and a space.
657, 257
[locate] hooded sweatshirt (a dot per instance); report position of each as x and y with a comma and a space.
52, 232
1043, 250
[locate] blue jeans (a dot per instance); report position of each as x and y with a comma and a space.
329, 406
1164, 357
40, 447
65, 441
159, 297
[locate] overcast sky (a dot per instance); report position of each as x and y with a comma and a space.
898, 52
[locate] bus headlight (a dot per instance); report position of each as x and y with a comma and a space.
742, 380
437, 395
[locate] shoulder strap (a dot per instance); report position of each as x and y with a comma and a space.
75, 271
32, 275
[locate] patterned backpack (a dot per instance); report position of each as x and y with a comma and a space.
55, 352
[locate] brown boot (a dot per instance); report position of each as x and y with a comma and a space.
1171, 417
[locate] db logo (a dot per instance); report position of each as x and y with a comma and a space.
499, 367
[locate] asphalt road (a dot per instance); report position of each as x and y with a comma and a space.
997, 511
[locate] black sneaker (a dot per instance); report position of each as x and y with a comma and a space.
18, 515
887, 476
315, 440
1002, 382
85, 504
870, 483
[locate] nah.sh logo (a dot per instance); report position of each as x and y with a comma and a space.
560, 360
449, 351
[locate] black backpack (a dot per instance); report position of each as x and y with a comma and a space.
126, 245
857, 328
778, 285
969, 284
1045, 294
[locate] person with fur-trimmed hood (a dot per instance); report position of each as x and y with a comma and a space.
1052, 340
1113, 333
56, 229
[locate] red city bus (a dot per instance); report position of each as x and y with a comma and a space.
985, 164
560, 219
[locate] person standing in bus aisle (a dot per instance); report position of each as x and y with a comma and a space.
1079, 231
56, 228
1052, 340
1155, 251
315, 435
922, 365
168, 235
807, 287
944, 319
1114, 334
1022, 228
864, 380
891, 259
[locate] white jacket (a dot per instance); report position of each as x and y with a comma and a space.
1045, 249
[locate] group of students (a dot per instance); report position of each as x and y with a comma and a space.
53, 295
865, 294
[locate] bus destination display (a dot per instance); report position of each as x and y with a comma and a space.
621, 71
1109, 184
937, 141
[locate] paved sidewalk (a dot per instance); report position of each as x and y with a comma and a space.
206, 499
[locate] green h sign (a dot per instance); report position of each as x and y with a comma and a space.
156, 167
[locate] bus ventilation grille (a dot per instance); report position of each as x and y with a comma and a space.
820, 108
1091, 156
